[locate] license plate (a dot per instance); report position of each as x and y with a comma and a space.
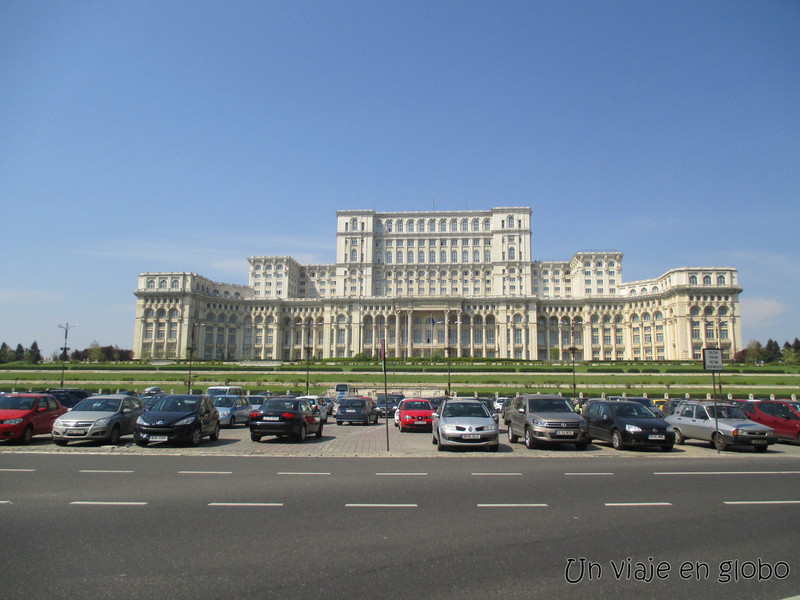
471, 436
759, 442
655, 437
158, 438
270, 418
563, 432
76, 432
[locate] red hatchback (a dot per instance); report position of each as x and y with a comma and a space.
415, 414
779, 415
24, 415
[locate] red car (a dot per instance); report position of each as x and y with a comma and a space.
415, 414
24, 415
778, 414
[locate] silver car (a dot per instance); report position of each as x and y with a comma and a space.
465, 424
698, 421
545, 419
233, 410
101, 418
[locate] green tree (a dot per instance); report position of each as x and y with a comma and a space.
754, 352
6, 354
95, 352
33, 355
772, 351
790, 355
19, 353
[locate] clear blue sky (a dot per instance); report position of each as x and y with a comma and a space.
163, 135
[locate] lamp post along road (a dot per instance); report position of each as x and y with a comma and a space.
65, 349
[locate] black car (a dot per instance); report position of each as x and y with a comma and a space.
387, 405
294, 417
625, 423
177, 418
68, 399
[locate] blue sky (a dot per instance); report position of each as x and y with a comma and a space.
156, 136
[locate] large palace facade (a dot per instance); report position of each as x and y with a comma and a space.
439, 283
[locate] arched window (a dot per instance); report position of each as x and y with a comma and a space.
453, 225
709, 312
149, 313
162, 284
464, 225
476, 225
388, 257
399, 226
410, 225
378, 226
175, 284
442, 225
378, 257
692, 279
720, 279
353, 255
707, 280
389, 226
487, 225
694, 311
151, 284
512, 254
510, 221
399, 256
421, 226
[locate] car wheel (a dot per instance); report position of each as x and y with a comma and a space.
530, 442
113, 438
616, 440
26, 436
255, 437
720, 442
197, 436
215, 436
581, 445
141, 443
679, 439
666, 448
319, 431
439, 445
60, 442
232, 424
433, 439
512, 437
301, 435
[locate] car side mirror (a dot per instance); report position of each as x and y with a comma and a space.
521, 410
125, 411
41, 409
606, 418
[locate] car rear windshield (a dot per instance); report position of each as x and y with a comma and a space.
465, 409
538, 405
352, 404
280, 405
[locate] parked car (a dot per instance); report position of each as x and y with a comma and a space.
489, 404
257, 400
625, 423
178, 418
79, 393
285, 416
727, 426
322, 403
415, 414
100, 418
233, 410
387, 404
544, 419
67, 399
465, 423
24, 415
777, 414
396, 415
357, 410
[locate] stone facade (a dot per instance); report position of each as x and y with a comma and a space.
462, 283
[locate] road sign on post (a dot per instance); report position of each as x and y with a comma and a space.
712, 359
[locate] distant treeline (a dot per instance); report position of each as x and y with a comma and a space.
94, 353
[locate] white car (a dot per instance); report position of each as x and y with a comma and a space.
319, 402
397, 413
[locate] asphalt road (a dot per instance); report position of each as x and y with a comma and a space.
116, 525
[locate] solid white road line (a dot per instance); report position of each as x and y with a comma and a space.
638, 503
5, 501
529, 505
245, 503
761, 502
100, 503
17, 470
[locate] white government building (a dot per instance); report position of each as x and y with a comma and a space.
462, 283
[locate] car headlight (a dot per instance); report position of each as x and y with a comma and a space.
141, 421
186, 421
102, 422
492, 427
633, 429
670, 429
449, 428
539, 423
13, 421
224, 413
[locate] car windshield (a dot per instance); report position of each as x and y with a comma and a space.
634, 410
16, 403
725, 412
465, 409
224, 401
280, 405
539, 405
417, 405
98, 405
176, 404
351, 404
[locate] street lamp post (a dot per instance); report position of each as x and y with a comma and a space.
308, 349
66, 329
